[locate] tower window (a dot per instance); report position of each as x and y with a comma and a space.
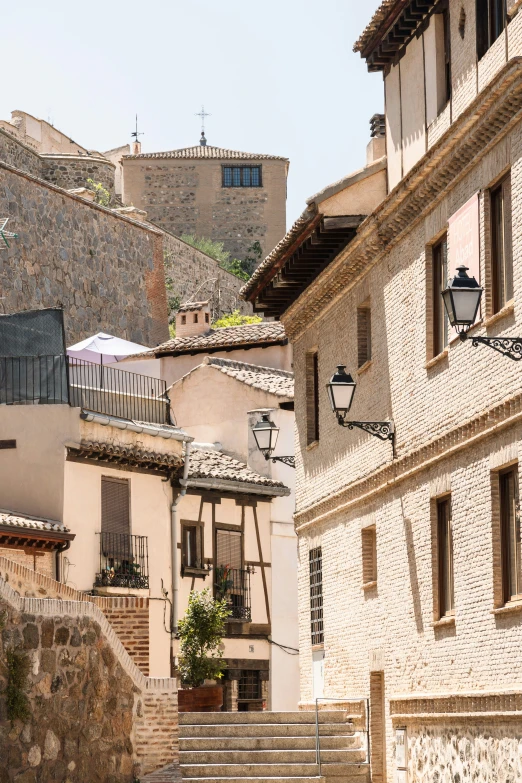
242, 177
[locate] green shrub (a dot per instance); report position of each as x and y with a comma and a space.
200, 633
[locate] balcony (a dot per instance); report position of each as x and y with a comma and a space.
59, 380
124, 561
234, 585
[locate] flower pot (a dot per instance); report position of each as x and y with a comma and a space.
207, 698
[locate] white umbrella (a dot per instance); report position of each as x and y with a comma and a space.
104, 349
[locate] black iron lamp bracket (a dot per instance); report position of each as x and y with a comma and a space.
384, 430
290, 461
507, 346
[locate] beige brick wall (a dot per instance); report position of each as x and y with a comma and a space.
43, 562
457, 419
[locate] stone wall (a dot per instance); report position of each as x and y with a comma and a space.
187, 197
71, 171
197, 277
128, 615
94, 718
106, 270
19, 155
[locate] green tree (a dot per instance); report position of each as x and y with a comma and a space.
200, 632
217, 250
254, 256
102, 195
235, 319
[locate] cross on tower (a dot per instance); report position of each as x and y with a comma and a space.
202, 114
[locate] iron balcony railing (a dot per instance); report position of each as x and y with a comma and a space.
124, 561
234, 585
48, 380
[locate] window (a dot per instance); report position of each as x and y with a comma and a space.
312, 397
445, 557
229, 548
364, 334
115, 502
369, 555
439, 276
192, 547
183, 320
491, 20
510, 534
196, 319
447, 54
316, 595
242, 177
501, 250
207, 318
249, 686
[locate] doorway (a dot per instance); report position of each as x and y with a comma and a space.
377, 728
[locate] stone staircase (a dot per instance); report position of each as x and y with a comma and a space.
269, 747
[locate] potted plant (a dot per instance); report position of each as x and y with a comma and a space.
200, 634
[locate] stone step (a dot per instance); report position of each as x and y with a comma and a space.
248, 757
274, 779
261, 729
270, 770
209, 718
339, 742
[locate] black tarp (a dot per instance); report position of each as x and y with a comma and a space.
32, 358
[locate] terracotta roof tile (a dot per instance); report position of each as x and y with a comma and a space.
265, 333
11, 519
278, 382
208, 152
216, 465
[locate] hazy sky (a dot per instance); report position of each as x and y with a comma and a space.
277, 76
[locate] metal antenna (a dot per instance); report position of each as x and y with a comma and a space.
202, 114
135, 133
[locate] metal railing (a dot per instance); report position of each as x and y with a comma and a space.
366, 731
124, 561
39, 380
234, 585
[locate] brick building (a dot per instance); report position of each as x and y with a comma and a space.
410, 552
233, 197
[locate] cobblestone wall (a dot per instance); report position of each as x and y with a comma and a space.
106, 271
19, 155
94, 718
69, 171
197, 277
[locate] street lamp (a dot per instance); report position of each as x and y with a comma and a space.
265, 436
461, 300
341, 389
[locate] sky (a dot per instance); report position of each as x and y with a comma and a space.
277, 77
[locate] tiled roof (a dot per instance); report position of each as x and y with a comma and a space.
10, 519
375, 22
265, 333
216, 465
278, 382
290, 237
189, 306
208, 152
127, 456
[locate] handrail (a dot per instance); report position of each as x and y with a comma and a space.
349, 700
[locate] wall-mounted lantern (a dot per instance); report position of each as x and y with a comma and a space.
341, 390
265, 435
461, 300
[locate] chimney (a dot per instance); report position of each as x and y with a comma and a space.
193, 318
376, 149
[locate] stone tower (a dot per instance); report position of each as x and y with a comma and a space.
233, 197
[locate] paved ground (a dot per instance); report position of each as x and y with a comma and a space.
169, 774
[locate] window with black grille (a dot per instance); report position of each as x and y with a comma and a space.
242, 177
249, 686
316, 595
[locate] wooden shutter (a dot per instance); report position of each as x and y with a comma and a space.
312, 397
482, 15
228, 548
115, 495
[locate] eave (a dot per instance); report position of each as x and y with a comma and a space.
479, 128
394, 32
311, 253
125, 458
27, 538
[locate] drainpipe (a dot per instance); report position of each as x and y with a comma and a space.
174, 542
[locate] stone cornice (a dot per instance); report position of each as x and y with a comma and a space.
500, 417
488, 119
479, 705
